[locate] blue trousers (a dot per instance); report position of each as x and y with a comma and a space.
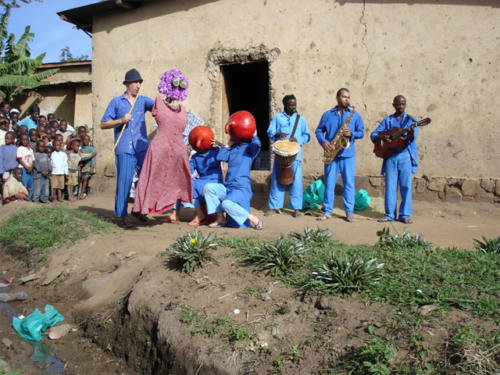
214, 196
398, 172
125, 166
346, 166
277, 192
27, 180
41, 189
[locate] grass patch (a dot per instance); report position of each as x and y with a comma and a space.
414, 274
30, 235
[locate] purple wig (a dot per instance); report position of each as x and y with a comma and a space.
174, 85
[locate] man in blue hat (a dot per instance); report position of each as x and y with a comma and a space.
131, 148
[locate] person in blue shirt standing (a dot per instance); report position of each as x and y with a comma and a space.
281, 127
131, 149
398, 168
345, 161
31, 121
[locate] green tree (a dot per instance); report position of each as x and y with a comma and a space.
17, 68
67, 56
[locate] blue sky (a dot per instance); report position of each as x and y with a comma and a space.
51, 32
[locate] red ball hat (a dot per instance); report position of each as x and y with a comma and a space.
201, 137
241, 126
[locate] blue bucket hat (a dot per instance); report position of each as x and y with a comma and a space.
132, 76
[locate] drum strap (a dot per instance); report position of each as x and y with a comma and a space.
295, 126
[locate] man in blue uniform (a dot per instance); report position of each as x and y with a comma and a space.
281, 127
345, 161
131, 149
398, 168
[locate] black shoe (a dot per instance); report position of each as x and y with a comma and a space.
142, 218
124, 222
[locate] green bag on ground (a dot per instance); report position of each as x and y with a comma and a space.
32, 326
313, 196
361, 200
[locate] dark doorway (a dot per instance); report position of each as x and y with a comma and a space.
247, 89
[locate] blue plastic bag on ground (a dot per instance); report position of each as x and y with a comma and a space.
361, 200
32, 326
313, 196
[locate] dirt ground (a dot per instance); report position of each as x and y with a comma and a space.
125, 269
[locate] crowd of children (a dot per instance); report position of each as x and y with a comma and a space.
43, 158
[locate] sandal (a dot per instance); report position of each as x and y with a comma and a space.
406, 220
350, 218
384, 219
296, 213
258, 226
324, 217
216, 224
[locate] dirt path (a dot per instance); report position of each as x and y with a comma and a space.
442, 223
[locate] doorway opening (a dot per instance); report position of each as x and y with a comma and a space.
247, 89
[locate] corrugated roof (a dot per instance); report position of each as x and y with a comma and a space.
82, 17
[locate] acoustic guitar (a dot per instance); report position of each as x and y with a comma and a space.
386, 148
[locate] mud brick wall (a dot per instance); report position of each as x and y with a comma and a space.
451, 189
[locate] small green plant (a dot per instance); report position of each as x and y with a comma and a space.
193, 250
238, 333
488, 245
187, 315
278, 365
3, 372
344, 273
372, 358
406, 240
280, 257
312, 236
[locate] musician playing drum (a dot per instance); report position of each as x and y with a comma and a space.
281, 127
330, 125
399, 167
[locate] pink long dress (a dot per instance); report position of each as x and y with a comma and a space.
165, 175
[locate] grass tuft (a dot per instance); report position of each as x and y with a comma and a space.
488, 245
193, 250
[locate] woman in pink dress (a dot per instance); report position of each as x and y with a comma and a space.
165, 177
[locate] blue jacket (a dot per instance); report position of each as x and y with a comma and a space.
135, 137
239, 158
387, 124
208, 168
331, 122
282, 123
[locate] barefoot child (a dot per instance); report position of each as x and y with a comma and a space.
59, 161
41, 173
26, 158
87, 169
74, 159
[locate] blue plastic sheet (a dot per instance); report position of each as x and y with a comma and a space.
32, 326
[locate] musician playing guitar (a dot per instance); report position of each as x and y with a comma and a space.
399, 167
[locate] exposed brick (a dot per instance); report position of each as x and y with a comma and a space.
437, 184
376, 181
470, 187
453, 194
488, 184
361, 182
420, 184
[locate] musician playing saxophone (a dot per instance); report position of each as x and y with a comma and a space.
398, 168
345, 161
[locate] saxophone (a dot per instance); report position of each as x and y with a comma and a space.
339, 142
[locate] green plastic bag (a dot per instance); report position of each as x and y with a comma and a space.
361, 200
32, 326
313, 196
